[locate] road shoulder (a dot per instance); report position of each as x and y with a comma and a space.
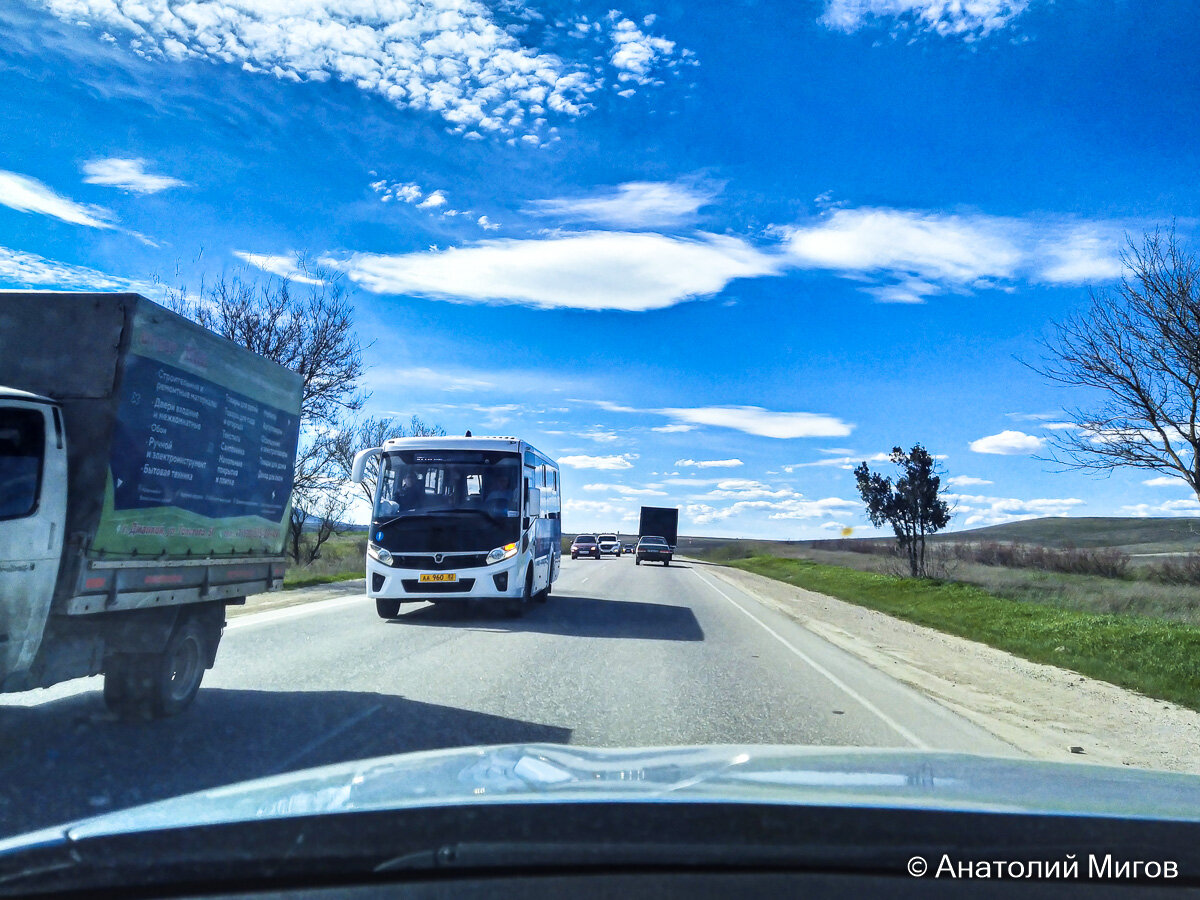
1042, 710
257, 603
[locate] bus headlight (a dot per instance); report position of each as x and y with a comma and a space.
500, 554
377, 552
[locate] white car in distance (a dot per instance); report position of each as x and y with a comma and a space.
609, 543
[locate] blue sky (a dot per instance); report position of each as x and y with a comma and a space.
706, 254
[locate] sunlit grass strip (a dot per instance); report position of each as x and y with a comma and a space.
302, 580
1155, 657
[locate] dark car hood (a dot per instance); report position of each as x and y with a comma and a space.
549, 773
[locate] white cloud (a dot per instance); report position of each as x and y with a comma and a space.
1189, 507
486, 224
910, 255
966, 481
28, 270
674, 428
748, 489
842, 462
625, 490
635, 54
590, 270
1167, 481
596, 462
595, 515
424, 377
598, 435
128, 175
434, 200
793, 508
710, 463
29, 195
975, 510
404, 191
762, 422
748, 419
1008, 443
960, 18
283, 266
448, 57
636, 204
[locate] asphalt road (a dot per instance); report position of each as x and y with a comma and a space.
621, 655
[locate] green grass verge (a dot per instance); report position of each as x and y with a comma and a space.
1155, 657
305, 580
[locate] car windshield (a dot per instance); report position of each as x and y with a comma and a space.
326, 326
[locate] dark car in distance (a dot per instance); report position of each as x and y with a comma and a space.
653, 549
585, 545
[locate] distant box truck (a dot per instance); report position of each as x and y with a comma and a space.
662, 521
145, 479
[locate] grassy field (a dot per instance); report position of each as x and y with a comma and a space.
1134, 595
1132, 535
1150, 655
343, 557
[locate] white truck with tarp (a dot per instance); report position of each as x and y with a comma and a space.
145, 481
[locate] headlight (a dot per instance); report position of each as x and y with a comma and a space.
508, 551
379, 553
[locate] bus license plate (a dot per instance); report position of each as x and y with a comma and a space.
439, 576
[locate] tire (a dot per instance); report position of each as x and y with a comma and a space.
387, 609
515, 608
543, 595
146, 686
666, 562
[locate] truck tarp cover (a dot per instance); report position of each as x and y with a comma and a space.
203, 435
203, 447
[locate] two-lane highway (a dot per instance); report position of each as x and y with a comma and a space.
621, 655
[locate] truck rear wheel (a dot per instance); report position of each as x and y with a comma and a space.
145, 686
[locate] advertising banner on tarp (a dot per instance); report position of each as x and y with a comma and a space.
203, 448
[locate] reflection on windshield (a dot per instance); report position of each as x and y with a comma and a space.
427, 482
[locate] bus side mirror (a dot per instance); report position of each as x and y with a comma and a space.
359, 470
533, 504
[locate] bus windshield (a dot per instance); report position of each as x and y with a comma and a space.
469, 490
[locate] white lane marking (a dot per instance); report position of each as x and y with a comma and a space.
584, 578
892, 723
329, 735
293, 612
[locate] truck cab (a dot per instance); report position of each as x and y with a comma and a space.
33, 506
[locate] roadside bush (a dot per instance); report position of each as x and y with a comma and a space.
1105, 562
1177, 570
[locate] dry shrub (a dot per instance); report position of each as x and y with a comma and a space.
1106, 562
1179, 570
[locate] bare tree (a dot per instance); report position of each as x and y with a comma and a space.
306, 326
1139, 347
372, 432
308, 330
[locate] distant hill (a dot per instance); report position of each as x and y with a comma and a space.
1134, 535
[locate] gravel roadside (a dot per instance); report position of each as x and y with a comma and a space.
256, 603
1050, 713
